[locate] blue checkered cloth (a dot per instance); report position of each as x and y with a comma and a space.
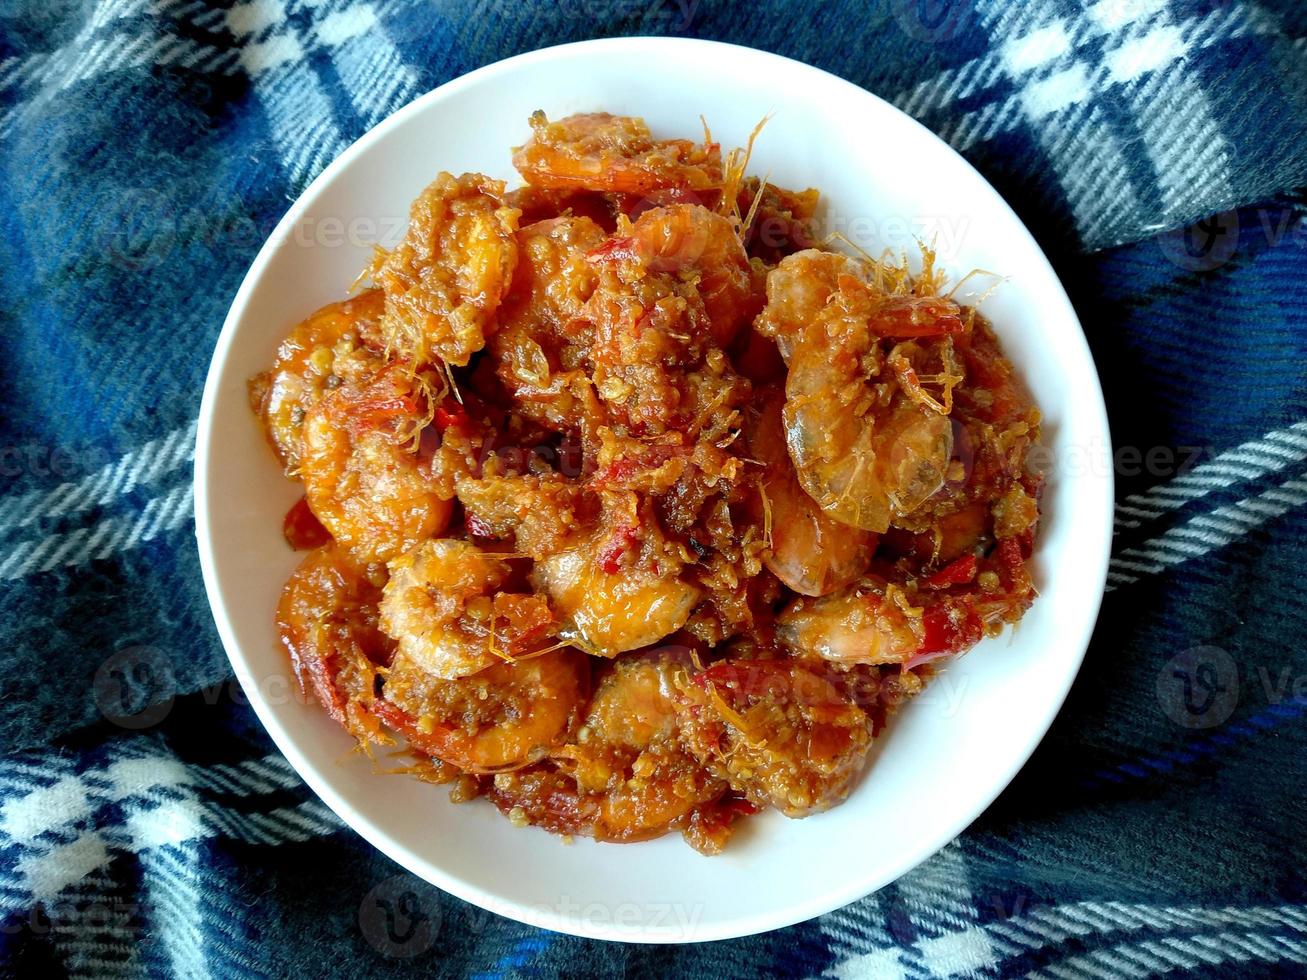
147, 824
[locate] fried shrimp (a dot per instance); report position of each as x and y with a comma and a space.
538, 515
778, 732
809, 550
627, 776
444, 282
635, 509
603, 152
362, 478
340, 343
448, 607
688, 240
536, 352
609, 612
327, 621
621, 586
505, 717
865, 446
878, 622
859, 624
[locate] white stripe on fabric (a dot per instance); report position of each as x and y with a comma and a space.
1093, 171
50, 71
255, 17
24, 818
343, 25
1050, 82
941, 907
10, 70
1253, 459
46, 872
1141, 55
253, 776
103, 944
952, 84
188, 11
878, 964
144, 465
141, 800
1215, 530
1112, 15
370, 67
140, 776
112, 535
1086, 157
374, 75
966, 952
297, 107
1009, 22
985, 71
969, 944
171, 881
1039, 47
154, 779
857, 937
288, 823
1188, 152
1174, 953
938, 893
299, 114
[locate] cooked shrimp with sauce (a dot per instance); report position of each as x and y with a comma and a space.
633, 506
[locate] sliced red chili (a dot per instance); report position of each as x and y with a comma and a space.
949, 628
451, 415
610, 555
1009, 555
957, 572
741, 676
302, 529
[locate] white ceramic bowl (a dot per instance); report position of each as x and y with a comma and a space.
886, 178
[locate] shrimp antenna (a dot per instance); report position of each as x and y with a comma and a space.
707, 133
730, 715
999, 280
839, 236
974, 272
423, 384
494, 648
753, 207
453, 385
930, 278
736, 163
379, 255
541, 652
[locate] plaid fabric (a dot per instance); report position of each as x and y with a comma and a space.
147, 826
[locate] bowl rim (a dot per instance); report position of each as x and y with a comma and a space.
785, 914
